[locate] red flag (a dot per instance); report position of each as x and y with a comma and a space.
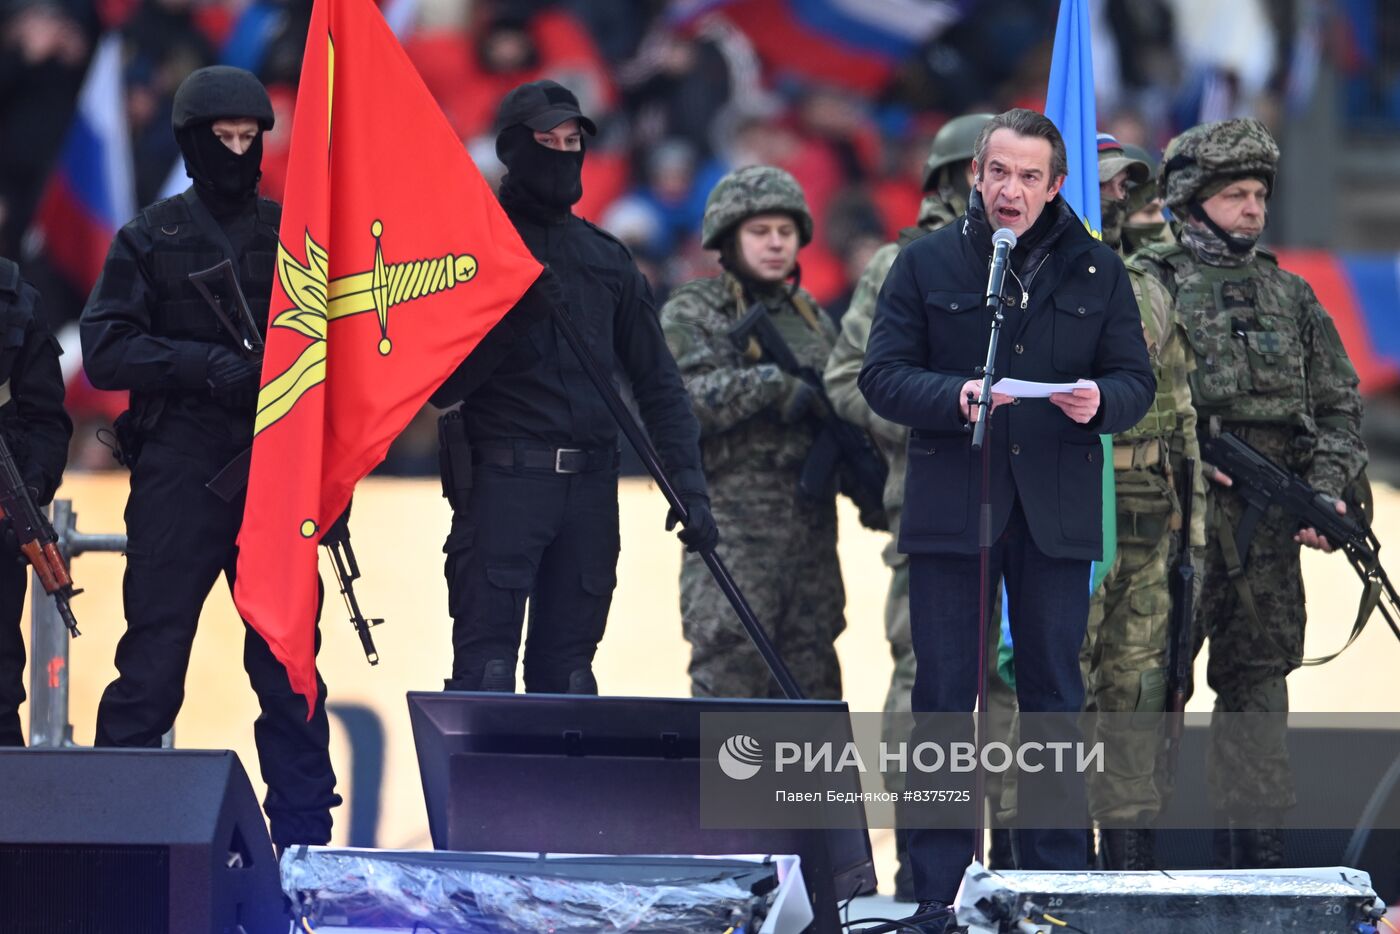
394, 261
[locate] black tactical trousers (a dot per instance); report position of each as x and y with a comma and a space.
535, 534
180, 538
13, 576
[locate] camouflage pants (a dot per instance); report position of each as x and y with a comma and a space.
1247, 768
1124, 658
782, 553
1001, 699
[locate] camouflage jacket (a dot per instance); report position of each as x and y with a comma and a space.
1268, 358
847, 357
1172, 417
735, 395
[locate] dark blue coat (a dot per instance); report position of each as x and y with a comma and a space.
930, 336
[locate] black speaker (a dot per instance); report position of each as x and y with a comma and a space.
605, 775
128, 841
1356, 770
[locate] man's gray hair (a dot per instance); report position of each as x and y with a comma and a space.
1025, 122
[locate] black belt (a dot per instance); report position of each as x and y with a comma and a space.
555, 460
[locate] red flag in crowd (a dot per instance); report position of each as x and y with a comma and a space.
394, 261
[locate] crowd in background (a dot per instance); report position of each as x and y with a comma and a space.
684, 91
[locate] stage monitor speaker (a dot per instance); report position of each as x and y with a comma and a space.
1319, 756
604, 775
127, 841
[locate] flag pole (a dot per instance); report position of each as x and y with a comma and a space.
649, 457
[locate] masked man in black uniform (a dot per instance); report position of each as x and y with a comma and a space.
37, 430
532, 458
194, 387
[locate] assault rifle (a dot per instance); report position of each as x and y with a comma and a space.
241, 327
347, 570
842, 455
1183, 592
38, 542
1263, 485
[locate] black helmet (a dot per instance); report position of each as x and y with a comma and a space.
220, 92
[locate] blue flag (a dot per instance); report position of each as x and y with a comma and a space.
1069, 102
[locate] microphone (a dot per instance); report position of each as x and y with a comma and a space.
1003, 242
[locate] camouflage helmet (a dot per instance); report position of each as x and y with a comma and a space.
757, 189
955, 142
1198, 162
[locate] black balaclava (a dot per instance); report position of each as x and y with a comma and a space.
549, 179
225, 180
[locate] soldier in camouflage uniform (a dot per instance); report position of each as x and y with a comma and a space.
947, 185
1125, 648
1144, 223
1271, 368
757, 424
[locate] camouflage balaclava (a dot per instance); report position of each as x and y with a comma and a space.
1114, 211
1137, 234
1200, 163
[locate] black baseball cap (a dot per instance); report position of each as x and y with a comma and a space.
541, 106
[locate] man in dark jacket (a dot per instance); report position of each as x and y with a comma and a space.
194, 389
531, 466
1070, 315
37, 430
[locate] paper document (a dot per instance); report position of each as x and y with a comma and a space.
1025, 389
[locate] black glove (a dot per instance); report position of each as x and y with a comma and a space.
700, 532
233, 378
800, 399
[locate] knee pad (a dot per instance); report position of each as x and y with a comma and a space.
498, 676
581, 681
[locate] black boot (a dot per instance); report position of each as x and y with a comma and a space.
939, 920
1128, 850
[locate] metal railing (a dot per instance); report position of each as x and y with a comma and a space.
48, 644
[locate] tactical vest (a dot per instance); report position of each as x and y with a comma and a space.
180, 247
1162, 418
763, 444
1244, 328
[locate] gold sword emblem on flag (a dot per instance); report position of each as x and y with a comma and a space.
317, 300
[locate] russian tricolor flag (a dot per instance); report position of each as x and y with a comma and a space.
856, 44
91, 193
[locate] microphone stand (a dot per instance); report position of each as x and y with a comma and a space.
980, 430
